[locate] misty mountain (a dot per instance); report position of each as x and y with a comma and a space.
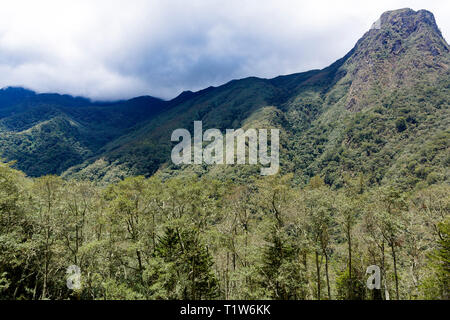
48, 133
380, 111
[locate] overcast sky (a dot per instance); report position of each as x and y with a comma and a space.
120, 49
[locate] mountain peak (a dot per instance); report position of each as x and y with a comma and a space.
402, 48
398, 31
406, 21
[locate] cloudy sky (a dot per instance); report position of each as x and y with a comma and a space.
120, 49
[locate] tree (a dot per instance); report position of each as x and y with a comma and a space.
48, 220
392, 224
186, 269
320, 211
349, 207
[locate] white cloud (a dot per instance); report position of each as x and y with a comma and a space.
119, 49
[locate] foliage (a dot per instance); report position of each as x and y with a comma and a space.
199, 238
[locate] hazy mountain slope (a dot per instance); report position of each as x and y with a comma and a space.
48, 133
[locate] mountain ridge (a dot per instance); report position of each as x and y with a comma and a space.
384, 79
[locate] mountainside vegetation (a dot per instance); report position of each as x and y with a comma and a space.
371, 112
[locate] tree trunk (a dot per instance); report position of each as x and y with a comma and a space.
326, 273
318, 275
383, 273
139, 258
395, 271
350, 286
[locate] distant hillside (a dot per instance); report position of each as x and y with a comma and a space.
48, 133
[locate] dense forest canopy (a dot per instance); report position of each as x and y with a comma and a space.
199, 238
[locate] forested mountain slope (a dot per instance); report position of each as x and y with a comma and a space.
382, 110
48, 133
